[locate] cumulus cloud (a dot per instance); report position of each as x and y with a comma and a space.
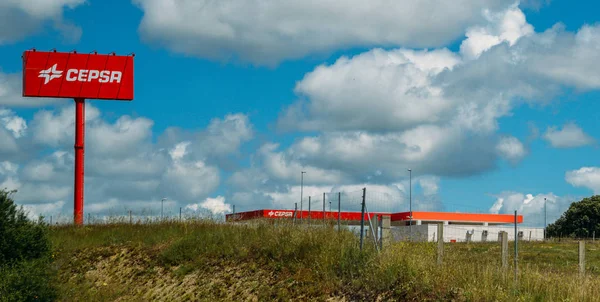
385, 90
20, 18
36, 210
13, 123
125, 168
435, 110
222, 138
425, 149
531, 206
586, 177
570, 136
267, 32
507, 26
11, 87
215, 206
511, 149
57, 127
376, 90
273, 193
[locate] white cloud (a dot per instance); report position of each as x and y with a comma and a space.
283, 167
393, 90
127, 135
10, 183
221, 139
57, 127
511, 149
125, 169
36, 210
426, 149
216, 206
190, 180
531, 206
21, 18
13, 123
570, 136
376, 90
430, 185
267, 32
224, 136
179, 151
379, 197
587, 177
507, 26
382, 111
11, 92
8, 168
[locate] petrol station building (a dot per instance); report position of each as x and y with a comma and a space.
457, 227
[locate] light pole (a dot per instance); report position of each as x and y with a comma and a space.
301, 191
410, 202
161, 207
545, 225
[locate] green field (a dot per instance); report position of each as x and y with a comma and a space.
209, 261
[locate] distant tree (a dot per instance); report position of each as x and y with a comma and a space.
580, 220
25, 255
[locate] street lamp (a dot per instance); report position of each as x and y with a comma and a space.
410, 203
301, 191
161, 207
545, 225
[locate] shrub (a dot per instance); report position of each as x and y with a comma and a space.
25, 255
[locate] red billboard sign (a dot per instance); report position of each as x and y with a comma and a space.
76, 75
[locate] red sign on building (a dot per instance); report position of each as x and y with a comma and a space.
76, 75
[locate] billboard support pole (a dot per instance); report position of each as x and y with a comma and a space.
79, 155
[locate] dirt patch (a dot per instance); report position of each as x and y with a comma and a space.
126, 274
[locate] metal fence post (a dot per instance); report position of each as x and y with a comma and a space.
309, 214
362, 218
180, 214
339, 209
295, 212
504, 242
581, 258
440, 242
130, 217
376, 233
323, 208
381, 233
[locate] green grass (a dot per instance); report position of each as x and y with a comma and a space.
207, 261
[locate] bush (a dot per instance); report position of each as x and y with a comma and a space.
27, 281
25, 255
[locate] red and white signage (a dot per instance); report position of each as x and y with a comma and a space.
76, 75
280, 214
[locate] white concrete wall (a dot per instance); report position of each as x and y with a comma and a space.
459, 232
402, 233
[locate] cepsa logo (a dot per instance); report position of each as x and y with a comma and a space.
81, 75
280, 214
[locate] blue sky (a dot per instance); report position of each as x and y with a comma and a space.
233, 101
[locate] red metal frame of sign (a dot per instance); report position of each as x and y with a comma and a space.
78, 76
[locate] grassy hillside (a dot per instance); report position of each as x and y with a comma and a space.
209, 261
